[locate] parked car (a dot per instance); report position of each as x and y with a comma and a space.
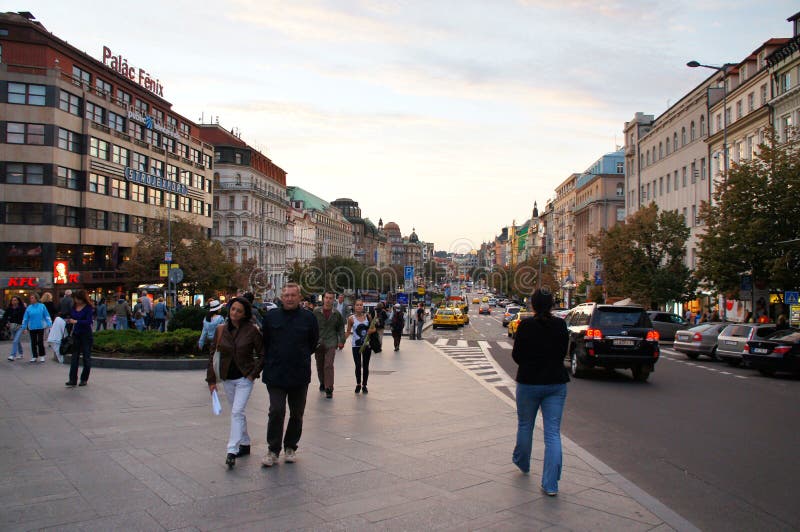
699, 340
492, 302
613, 337
510, 314
667, 324
778, 352
514, 324
484, 309
733, 339
560, 312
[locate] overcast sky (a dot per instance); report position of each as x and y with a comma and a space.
448, 116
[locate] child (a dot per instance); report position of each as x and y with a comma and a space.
57, 333
138, 320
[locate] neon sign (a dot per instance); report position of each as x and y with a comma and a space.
120, 65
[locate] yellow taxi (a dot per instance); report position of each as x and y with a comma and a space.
485, 299
476, 300
513, 324
462, 316
447, 317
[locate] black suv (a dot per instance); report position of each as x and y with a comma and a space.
611, 336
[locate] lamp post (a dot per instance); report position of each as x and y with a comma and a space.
165, 174
724, 70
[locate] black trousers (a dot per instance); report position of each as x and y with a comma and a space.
83, 346
397, 335
362, 364
37, 343
278, 397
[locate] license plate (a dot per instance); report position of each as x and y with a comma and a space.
624, 342
730, 342
760, 350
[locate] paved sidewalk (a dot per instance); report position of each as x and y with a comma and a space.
428, 448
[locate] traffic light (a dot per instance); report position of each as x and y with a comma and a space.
545, 261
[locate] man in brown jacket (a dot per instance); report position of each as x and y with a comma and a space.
331, 338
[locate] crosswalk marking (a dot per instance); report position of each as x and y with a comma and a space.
461, 343
505, 345
441, 341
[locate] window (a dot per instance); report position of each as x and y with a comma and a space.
215, 228
66, 178
244, 255
668, 183
198, 181
620, 214
692, 132
120, 155
660, 186
244, 228
751, 102
156, 167
748, 149
118, 222
28, 174
96, 219
784, 82
119, 188
648, 157
135, 130
231, 227
693, 219
620, 190
185, 204
648, 190
719, 122
237, 158
172, 172
245, 203
172, 122
138, 224
98, 183
675, 142
620, 167
683, 177
186, 177
79, 76
172, 200
739, 109
763, 91
694, 173
182, 150
155, 197
66, 216
69, 140
685, 219
675, 181
168, 143
158, 114
26, 93
70, 103
139, 161
703, 169
140, 106
123, 98
136, 192
215, 202
660, 150
185, 129
95, 113
683, 137
25, 213
98, 148
728, 115
197, 206
116, 122
702, 126
231, 255
231, 202
103, 87
17, 133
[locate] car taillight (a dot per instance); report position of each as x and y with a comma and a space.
590, 352
653, 336
593, 334
782, 349
746, 348
697, 337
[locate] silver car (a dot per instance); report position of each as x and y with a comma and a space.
699, 340
667, 324
731, 341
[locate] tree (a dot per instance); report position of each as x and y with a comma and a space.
751, 226
643, 258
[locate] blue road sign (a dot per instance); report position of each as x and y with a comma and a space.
408, 273
402, 299
791, 298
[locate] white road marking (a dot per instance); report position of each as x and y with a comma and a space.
461, 343
505, 345
441, 341
483, 344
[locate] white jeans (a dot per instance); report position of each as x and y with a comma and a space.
56, 348
238, 392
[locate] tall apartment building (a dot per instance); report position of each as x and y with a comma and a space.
332, 232
784, 70
301, 237
91, 157
564, 230
250, 205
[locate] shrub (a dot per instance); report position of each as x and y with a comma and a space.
188, 318
131, 341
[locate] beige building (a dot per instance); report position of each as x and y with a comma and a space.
784, 70
564, 232
332, 232
301, 237
599, 204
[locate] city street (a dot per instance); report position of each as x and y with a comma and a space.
716, 444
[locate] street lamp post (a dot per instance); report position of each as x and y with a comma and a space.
724, 70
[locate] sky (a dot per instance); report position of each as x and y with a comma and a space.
448, 117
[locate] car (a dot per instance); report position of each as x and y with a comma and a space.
560, 312
509, 314
611, 337
667, 324
485, 299
779, 352
476, 300
447, 317
699, 340
514, 324
502, 302
463, 317
492, 302
485, 309
733, 339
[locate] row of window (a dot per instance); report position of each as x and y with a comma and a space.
657, 187
270, 233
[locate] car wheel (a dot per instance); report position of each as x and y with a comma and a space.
505, 325
693, 356
575, 366
640, 373
767, 372
714, 354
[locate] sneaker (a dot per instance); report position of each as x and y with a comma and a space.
70, 384
32, 360
549, 493
244, 450
270, 459
42, 360
289, 455
364, 390
12, 358
82, 383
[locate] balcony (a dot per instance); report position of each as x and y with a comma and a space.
630, 150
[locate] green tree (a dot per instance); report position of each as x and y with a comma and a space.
751, 226
643, 257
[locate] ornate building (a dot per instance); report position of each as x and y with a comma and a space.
369, 242
333, 233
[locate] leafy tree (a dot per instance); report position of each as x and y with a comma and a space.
643, 257
751, 226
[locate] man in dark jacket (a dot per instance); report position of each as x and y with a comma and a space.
290, 337
331, 338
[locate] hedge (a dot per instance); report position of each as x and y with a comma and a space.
182, 342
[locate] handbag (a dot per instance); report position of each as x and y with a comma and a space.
216, 361
67, 344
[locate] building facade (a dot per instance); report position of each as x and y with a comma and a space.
332, 232
369, 243
91, 158
301, 237
564, 233
784, 69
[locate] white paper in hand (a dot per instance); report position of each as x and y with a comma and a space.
216, 407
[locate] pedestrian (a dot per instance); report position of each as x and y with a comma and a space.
381, 317
290, 336
340, 306
159, 315
47, 301
57, 333
239, 344
15, 312
210, 323
36, 319
715, 315
420, 320
331, 338
412, 332
781, 323
398, 323
122, 310
81, 319
539, 349
66, 303
147, 309
101, 314
358, 325
138, 321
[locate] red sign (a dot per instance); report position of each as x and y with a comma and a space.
60, 272
23, 282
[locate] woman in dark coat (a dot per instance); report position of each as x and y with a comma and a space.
539, 350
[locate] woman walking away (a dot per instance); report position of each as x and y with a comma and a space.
240, 363
57, 333
102, 314
541, 383
47, 301
15, 311
210, 323
398, 323
81, 318
36, 319
358, 325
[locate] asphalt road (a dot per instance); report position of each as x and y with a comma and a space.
716, 444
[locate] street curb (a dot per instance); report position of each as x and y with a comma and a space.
166, 364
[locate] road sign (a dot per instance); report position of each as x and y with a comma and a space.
791, 298
167, 256
421, 290
408, 273
176, 275
408, 285
598, 278
162, 270
402, 299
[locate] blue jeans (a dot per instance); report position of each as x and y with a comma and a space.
16, 344
551, 398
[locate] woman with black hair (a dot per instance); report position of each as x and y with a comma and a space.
240, 363
539, 350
